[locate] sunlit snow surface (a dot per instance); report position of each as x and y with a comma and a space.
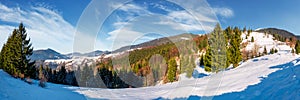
262, 77
16, 89
268, 77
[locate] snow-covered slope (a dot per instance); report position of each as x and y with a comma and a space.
235, 80
277, 69
16, 89
263, 40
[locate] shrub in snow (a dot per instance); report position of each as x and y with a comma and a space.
42, 82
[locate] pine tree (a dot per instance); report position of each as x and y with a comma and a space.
27, 67
272, 51
276, 51
297, 47
252, 39
235, 43
207, 60
61, 75
229, 57
265, 51
172, 68
228, 34
217, 43
201, 60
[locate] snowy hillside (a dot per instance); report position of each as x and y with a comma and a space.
250, 73
263, 40
275, 75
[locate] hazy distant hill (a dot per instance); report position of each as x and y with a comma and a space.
47, 54
281, 32
159, 41
90, 54
50, 54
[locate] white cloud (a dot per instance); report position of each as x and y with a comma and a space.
122, 34
120, 24
4, 33
130, 7
182, 20
123, 37
225, 12
193, 18
45, 27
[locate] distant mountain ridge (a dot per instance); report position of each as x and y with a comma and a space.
280, 32
47, 54
158, 41
90, 54
50, 54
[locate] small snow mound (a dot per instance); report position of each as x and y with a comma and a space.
16, 89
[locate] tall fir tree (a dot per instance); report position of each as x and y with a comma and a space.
207, 60
228, 32
217, 43
61, 75
235, 44
172, 68
27, 67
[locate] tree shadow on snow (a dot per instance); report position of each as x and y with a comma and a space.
258, 59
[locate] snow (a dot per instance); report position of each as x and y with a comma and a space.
112, 55
233, 83
234, 80
16, 89
264, 40
58, 61
184, 38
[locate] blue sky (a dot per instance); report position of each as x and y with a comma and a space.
101, 25
262, 13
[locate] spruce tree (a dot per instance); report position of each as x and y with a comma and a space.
272, 51
252, 39
229, 57
201, 60
297, 47
61, 75
265, 51
228, 34
217, 45
207, 60
235, 44
172, 68
27, 67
